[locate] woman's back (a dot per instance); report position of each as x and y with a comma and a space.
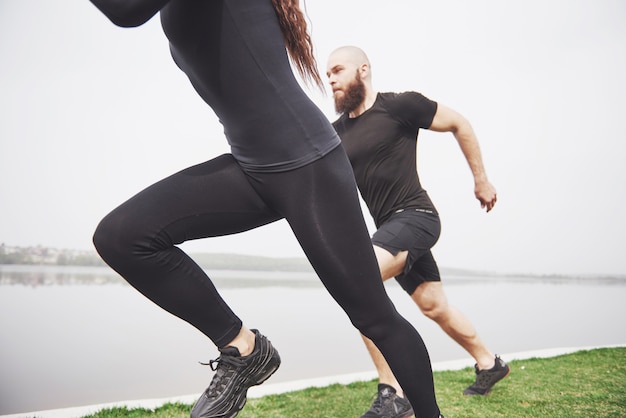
233, 52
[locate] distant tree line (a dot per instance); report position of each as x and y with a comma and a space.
48, 256
62, 257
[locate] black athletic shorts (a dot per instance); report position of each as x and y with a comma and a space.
415, 231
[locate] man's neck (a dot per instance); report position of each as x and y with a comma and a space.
368, 102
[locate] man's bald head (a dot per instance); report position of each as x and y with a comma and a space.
349, 55
350, 59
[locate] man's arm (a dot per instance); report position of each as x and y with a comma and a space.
129, 13
448, 120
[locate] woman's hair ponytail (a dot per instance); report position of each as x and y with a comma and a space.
297, 40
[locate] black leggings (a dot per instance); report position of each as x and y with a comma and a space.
320, 202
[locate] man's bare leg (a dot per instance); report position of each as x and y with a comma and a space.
431, 300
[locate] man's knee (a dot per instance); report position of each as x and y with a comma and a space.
431, 301
434, 312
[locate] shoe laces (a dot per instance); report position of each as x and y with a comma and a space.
377, 405
381, 401
224, 367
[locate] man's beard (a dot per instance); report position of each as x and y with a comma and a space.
352, 97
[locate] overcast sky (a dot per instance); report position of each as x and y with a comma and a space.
91, 113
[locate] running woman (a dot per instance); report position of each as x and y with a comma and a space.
285, 163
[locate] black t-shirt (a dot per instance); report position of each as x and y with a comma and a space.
234, 55
381, 144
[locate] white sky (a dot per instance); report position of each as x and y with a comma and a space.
90, 114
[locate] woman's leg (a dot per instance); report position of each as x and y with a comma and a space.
138, 240
320, 202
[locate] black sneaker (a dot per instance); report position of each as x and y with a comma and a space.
485, 379
389, 405
234, 374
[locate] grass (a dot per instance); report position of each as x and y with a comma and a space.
583, 384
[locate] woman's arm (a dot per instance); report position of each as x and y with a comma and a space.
129, 13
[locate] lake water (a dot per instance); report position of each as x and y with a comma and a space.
74, 344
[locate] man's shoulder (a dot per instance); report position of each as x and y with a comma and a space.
403, 96
409, 108
399, 102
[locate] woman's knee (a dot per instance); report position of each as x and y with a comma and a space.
114, 237
375, 327
104, 238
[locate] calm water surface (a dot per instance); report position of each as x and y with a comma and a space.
75, 344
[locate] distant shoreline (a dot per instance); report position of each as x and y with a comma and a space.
48, 256
239, 271
59, 258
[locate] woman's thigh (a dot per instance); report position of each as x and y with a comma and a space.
320, 202
210, 199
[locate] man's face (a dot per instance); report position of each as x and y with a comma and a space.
345, 79
348, 91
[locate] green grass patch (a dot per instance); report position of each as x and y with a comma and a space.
583, 384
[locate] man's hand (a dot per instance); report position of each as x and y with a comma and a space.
486, 195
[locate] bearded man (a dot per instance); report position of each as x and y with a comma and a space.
379, 132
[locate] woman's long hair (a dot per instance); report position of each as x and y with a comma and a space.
297, 40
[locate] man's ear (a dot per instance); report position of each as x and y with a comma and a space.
364, 71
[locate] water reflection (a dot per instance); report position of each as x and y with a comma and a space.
72, 344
